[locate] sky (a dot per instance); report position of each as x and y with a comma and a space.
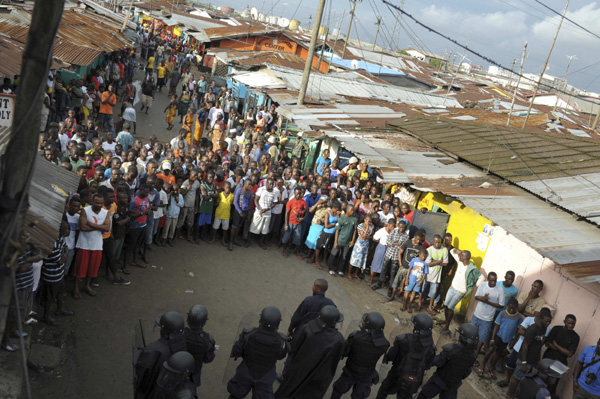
497, 29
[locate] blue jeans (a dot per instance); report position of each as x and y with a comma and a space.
453, 297
108, 119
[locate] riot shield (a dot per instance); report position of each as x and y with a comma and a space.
249, 320
142, 334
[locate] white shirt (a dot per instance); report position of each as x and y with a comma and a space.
175, 144
385, 218
73, 227
129, 114
109, 147
64, 141
164, 199
484, 311
212, 115
92, 240
459, 282
381, 235
266, 199
279, 207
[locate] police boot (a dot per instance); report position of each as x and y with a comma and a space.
381, 394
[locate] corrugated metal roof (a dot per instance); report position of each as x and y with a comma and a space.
45, 198
248, 29
320, 85
550, 231
535, 161
108, 13
260, 79
248, 59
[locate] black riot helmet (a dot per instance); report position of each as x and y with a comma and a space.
197, 316
373, 321
176, 370
270, 317
330, 315
422, 322
546, 368
170, 323
468, 334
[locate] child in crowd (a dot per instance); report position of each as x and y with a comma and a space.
417, 273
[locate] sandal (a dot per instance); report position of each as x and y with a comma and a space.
138, 265
492, 374
76, 295
90, 292
476, 364
480, 373
410, 310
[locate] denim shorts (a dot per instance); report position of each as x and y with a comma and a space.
413, 285
433, 287
294, 232
484, 327
453, 297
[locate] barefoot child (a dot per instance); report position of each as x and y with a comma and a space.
417, 272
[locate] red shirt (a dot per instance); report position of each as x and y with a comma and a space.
253, 189
297, 210
121, 69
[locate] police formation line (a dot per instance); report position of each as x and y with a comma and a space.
171, 367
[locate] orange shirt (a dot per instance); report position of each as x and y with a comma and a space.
167, 179
112, 210
108, 107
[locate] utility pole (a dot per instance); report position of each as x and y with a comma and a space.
512, 103
565, 79
562, 18
378, 23
512, 68
349, 26
337, 35
129, 13
311, 52
21, 150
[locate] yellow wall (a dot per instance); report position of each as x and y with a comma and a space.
464, 224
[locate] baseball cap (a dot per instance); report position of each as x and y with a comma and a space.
166, 165
353, 160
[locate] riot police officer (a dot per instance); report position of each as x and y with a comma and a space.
174, 379
363, 350
317, 349
453, 365
260, 348
535, 385
151, 358
199, 343
411, 355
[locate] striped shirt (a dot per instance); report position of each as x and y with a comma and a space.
24, 279
53, 269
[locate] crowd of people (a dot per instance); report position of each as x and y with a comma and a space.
236, 180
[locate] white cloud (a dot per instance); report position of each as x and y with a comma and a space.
586, 16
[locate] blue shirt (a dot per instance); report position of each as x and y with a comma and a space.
331, 220
418, 268
509, 292
587, 356
258, 153
242, 201
322, 164
508, 325
310, 202
174, 206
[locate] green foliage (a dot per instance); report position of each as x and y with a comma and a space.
435, 63
403, 52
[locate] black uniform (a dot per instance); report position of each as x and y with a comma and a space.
453, 365
187, 390
363, 350
202, 346
150, 361
260, 348
533, 387
411, 356
307, 310
316, 352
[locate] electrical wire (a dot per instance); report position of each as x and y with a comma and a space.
483, 57
568, 19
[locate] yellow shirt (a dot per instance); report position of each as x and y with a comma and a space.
169, 64
160, 72
224, 208
151, 62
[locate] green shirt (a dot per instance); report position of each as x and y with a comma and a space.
206, 206
346, 226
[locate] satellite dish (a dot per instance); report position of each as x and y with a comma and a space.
354, 64
254, 13
284, 22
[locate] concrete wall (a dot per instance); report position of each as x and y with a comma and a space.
563, 293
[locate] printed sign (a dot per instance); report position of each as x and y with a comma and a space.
7, 109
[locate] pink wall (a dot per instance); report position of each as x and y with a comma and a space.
563, 293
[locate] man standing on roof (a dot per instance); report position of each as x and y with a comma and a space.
300, 148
